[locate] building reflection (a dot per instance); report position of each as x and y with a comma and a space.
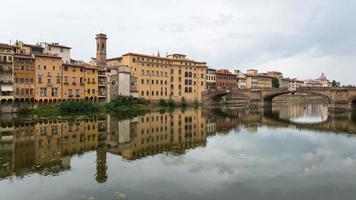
47, 146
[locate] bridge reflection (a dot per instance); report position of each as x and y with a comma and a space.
46, 146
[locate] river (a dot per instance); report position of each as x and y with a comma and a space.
291, 151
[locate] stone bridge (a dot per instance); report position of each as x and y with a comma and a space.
338, 98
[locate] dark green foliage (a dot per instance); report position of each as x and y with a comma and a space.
275, 82
142, 101
333, 83
77, 106
162, 102
170, 103
183, 102
196, 103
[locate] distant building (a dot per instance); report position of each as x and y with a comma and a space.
254, 80
241, 79
210, 79
225, 79
6, 71
58, 50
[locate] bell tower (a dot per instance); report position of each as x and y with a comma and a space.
101, 49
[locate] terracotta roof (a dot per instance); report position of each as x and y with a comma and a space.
58, 45
163, 58
24, 56
88, 66
48, 56
116, 58
6, 46
73, 64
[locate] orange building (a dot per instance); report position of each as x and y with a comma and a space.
24, 74
73, 81
48, 74
225, 79
91, 82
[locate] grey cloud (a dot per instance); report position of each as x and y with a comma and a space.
233, 33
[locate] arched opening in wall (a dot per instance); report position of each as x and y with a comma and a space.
299, 98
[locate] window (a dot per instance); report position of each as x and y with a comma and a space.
66, 79
40, 79
73, 80
43, 92
58, 79
54, 92
49, 79
77, 92
70, 92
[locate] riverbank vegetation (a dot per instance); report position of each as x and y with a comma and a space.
119, 106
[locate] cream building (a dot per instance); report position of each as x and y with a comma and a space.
58, 50
171, 77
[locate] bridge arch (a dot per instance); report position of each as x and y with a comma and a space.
268, 97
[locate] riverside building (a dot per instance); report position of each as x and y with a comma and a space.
172, 77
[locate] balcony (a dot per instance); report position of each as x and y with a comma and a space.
81, 83
6, 70
77, 95
70, 95
65, 83
74, 83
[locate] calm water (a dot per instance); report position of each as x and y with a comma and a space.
287, 152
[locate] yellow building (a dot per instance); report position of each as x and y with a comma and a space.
48, 75
24, 75
91, 82
73, 81
258, 81
174, 76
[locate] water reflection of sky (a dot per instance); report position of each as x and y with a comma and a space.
277, 163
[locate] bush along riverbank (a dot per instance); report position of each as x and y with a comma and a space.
120, 106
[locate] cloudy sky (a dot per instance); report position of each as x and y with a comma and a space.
301, 38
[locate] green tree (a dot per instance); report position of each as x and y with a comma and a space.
333, 83
275, 82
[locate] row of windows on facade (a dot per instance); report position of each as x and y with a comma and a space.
23, 80
24, 91
23, 68
54, 92
159, 61
160, 73
66, 69
226, 77
74, 80
6, 59
157, 82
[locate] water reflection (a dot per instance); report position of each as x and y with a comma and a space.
47, 147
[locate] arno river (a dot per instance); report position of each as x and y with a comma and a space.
296, 151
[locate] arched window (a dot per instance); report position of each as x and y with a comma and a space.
190, 90
186, 82
190, 74
186, 90
186, 74
190, 82
102, 46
